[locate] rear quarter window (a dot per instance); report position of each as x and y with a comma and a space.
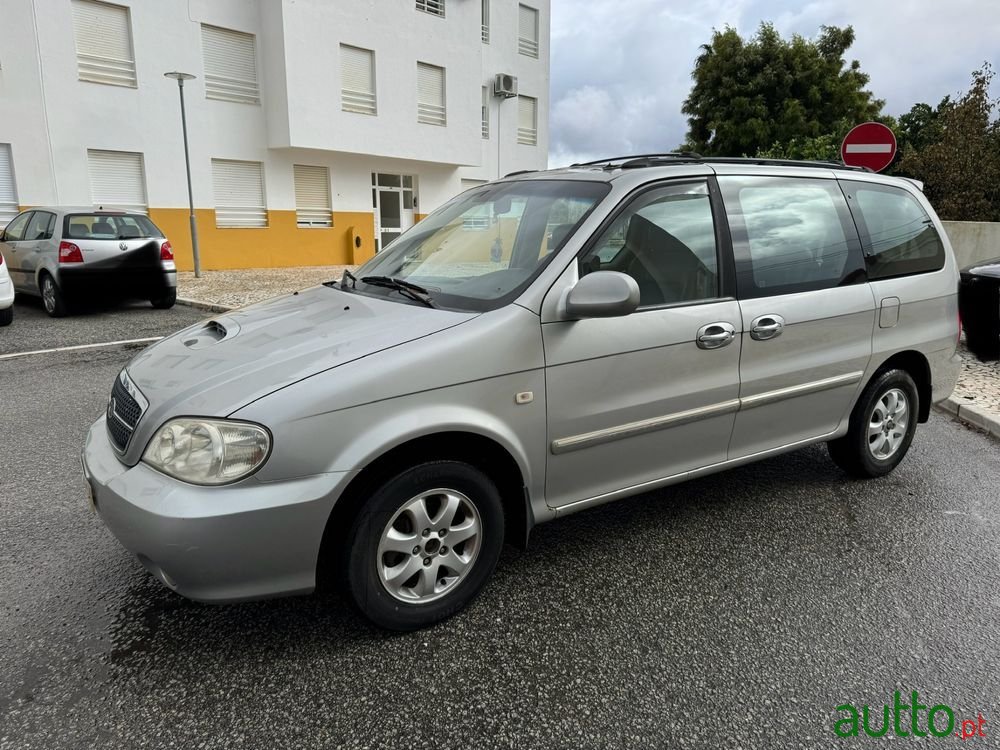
898, 236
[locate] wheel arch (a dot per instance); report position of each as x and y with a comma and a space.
916, 364
478, 450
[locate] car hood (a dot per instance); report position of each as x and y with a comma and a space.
222, 364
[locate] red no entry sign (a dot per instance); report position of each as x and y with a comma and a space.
871, 145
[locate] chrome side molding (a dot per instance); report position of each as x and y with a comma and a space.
630, 429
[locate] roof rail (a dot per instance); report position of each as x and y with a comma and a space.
619, 160
783, 162
682, 157
520, 171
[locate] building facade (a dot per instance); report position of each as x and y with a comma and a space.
319, 129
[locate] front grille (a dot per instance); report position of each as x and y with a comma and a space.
124, 413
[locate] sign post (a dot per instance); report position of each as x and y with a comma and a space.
871, 145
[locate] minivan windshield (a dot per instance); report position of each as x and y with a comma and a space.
104, 226
482, 248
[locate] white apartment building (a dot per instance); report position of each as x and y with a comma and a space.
318, 129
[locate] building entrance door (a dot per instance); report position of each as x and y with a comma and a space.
393, 200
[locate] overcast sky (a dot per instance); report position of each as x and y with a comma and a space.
622, 68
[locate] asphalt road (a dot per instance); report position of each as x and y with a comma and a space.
735, 611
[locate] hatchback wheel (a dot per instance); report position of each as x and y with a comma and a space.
424, 545
166, 301
52, 298
881, 427
7, 316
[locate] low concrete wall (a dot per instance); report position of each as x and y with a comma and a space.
973, 241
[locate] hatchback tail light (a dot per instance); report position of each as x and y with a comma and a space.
166, 251
69, 253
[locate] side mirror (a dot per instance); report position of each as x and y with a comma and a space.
603, 294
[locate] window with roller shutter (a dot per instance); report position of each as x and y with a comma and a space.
357, 80
434, 7
527, 31
239, 194
117, 179
430, 95
527, 121
103, 43
312, 196
8, 189
230, 65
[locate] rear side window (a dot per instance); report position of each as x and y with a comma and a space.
898, 235
40, 226
790, 235
108, 227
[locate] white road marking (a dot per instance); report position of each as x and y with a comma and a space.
78, 347
869, 148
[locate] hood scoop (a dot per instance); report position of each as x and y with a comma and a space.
213, 332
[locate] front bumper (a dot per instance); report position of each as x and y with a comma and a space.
247, 540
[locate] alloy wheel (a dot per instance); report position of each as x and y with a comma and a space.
888, 423
429, 546
49, 294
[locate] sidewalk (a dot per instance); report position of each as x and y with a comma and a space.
976, 399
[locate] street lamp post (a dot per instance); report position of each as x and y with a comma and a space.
180, 78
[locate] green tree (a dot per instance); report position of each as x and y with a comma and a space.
956, 153
749, 95
921, 126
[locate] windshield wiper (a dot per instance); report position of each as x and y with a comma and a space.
406, 288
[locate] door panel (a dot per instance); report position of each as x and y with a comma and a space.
653, 394
800, 383
13, 239
36, 240
806, 309
658, 403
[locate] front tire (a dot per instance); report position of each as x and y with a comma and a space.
424, 545
52, 297
7, 316
881, 427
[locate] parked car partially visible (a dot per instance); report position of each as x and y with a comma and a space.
66, 255
979, 302
6, 295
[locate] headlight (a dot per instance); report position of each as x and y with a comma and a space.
208, 451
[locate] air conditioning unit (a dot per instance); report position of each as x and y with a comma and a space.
505, 85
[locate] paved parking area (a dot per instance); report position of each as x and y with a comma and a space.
735, 611
33, 330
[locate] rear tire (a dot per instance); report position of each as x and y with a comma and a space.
424, 545
52, 297
881, 427
165, 302
7, 316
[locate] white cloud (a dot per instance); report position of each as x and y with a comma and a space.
622, 68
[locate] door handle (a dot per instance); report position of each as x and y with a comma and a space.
715, 335
766, 327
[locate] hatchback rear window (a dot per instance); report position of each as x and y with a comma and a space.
899, 236
108, 227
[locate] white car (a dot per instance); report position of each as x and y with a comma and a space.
6, 295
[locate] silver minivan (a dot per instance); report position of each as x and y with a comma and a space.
66, 254
538, 345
